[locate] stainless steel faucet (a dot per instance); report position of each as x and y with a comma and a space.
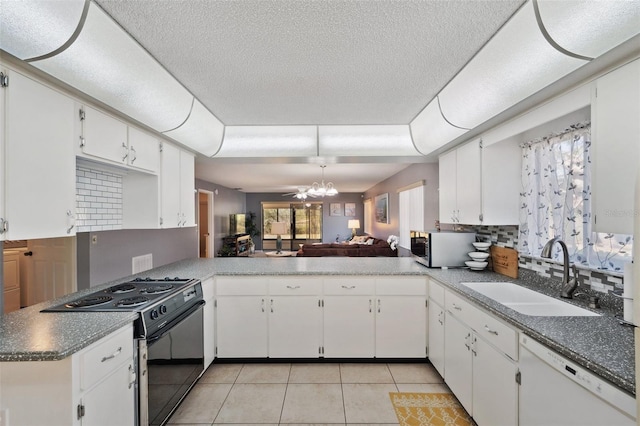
568, 285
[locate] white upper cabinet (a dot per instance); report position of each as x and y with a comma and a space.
39, 172
144, 150
177, 187
3, 98
480, 185
107, 138
615, 117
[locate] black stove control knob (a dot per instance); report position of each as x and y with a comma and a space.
153, 314
163, 309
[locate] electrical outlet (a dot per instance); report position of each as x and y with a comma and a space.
94, 239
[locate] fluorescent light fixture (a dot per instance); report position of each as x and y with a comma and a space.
590, 28
202, 131
383, 140
430, 130
34, 28
269, 141
514, 65
107, 64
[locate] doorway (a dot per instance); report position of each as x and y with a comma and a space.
205, 223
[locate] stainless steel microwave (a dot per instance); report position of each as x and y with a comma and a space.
446, 248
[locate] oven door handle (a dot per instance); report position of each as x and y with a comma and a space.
167, 327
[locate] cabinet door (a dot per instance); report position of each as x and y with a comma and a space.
401, 327
469, 183
104, 136
208, 326
3, 125
40, 176
170, 186
616, 145
112, 401
458, 362
187, 189
242, 327
495, 391
144, 150
295, 327
436, 336
447, 182
348, 327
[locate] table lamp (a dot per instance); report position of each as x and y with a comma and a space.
279, 228
353, 224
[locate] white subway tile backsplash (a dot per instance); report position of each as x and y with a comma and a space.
98, 200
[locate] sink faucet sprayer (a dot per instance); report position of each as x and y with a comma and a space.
568, 285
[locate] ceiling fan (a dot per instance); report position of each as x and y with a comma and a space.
302, 193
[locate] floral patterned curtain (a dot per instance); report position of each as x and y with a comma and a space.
556, 193
556, 201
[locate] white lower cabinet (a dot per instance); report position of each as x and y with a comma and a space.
295, 327
349, 327
436, 336
480, 356
208, 318
241, 327
95, 386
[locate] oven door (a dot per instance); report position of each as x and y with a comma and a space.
170, 363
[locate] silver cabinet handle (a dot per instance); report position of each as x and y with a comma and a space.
378, 305
132, 376
440, 317
293, 287
490, 331
113, 355
71, 220
456, 307
473, 346
350, 287
466, 341
370, 307
3, 225
271, 305
262, 305
135, 154
126, 151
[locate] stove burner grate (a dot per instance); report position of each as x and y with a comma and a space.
131, 301
157, 289
121, 288
89, 301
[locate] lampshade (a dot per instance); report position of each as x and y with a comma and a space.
353, 224
279, 228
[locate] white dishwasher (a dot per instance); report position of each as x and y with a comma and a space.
556, 392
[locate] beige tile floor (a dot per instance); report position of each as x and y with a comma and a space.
303, 394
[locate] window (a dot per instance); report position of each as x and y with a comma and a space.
306, 220
556, 201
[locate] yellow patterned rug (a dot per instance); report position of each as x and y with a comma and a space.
422, 409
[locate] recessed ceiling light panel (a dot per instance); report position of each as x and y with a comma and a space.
430, 130
33, 28
201, 132
383, 140
269, 141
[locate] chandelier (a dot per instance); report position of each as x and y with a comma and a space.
321, 189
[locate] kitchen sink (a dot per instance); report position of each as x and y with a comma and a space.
526, 301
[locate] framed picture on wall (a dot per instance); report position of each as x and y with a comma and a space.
382, 208
349, 209
335, 209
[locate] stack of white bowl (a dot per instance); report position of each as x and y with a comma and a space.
479, 257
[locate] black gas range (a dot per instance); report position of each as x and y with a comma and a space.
159, 301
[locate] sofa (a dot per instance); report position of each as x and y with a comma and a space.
363, 246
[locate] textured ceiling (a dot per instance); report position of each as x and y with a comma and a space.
254, 62
310, 62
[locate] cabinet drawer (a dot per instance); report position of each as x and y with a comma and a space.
436, 292
401, 286
298, 286
105, 356
460, 308
349, 286
241, 286
497, 333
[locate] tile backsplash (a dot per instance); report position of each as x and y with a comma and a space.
98, 200
507, 236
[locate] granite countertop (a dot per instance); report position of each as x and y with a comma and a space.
599, 344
